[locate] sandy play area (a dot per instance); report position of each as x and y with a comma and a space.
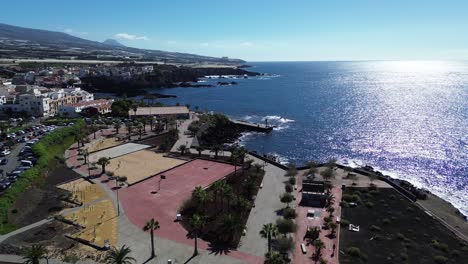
102, 144
83, 191
100, 220
141, 164
117, 151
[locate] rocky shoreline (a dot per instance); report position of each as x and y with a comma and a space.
164, 76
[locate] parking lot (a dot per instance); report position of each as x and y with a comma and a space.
19, 157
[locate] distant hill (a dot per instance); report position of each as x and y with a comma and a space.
113, 42
27, 43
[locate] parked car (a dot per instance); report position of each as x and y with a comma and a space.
4, 152
4, 185
3, 161
16, 173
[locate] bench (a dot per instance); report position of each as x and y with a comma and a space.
303, 249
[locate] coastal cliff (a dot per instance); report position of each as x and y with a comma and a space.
163, 76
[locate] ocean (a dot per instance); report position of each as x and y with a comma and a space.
408, 119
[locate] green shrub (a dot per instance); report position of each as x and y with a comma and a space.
289, 213
286, 226
292, 180
353, 252
344, 223
351, 198
344, 204
375, 228
369, 204
455, 253
400, 236
403, 256
386, 221
440, 259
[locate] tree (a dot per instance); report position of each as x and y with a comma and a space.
216, 149
288, 188
140, 130
231, 225
327, 174
333, 226
268, 231
117, 126
329, 198
33, 254
286, 226
274, 258
284, 244
182, 148
217, 187
119, 256
103, 161
201, 195
85, 155
196, 222
286, 198
319, 245
129, 129
151, 226
199, 149
330, 210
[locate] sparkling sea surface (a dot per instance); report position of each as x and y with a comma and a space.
409, 119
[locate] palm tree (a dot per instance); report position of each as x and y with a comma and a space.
329, 198
330, 210
103, 161
268, 231
232, 224
227, 193
199, 149
119, 256
333, 226
151, 225
216, 187
85, 155
319, 245
117, 126
182, 149
129, 128
216, 149
201, 195
33, 254
140, 130
196, 222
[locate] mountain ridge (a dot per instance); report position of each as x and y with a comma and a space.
21, 42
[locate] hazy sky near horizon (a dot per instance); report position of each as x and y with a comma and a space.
259, 30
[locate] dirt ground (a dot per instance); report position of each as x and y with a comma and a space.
52, 236
394, 230
83, 191
49, 235
100, 221
141, 164
446, 212
38, 202
102, 144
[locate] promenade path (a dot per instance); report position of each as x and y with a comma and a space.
265, 211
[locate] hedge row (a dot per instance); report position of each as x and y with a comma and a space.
46, 149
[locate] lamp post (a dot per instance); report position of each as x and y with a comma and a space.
162, 177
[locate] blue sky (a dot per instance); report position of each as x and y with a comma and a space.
257, 30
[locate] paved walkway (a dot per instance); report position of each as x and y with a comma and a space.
184, 137
24, 229
268, 203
